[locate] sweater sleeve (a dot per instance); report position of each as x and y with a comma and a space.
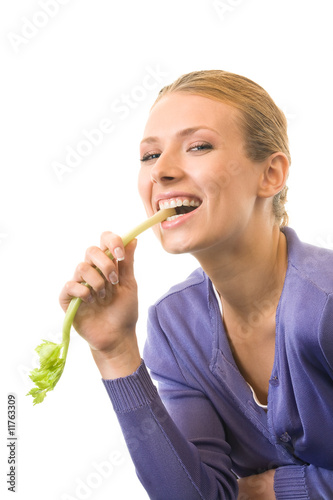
175, 437
308, 481
168, 464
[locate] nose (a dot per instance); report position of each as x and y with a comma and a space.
166, 170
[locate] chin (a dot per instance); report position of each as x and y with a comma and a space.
179, 247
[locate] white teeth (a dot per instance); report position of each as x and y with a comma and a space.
177, 202
175, 216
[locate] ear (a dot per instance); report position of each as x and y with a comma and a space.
274, 175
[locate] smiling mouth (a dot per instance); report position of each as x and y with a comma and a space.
183, 206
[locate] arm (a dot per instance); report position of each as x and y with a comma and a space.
303, 482
288, 483
257, 487
169, 465
308, 481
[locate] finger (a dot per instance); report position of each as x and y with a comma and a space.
112, 242
84, 272
126, 268
96, 257
74, 289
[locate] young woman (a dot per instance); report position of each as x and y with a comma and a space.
243, 349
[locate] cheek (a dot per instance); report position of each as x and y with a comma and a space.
144, 186
222, 182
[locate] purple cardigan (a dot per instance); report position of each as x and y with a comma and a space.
209, 430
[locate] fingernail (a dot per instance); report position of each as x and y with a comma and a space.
91, 299
113, 277
101, 293
119, 254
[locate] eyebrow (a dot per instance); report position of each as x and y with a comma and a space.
182, 133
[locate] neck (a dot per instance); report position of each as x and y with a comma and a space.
248, 274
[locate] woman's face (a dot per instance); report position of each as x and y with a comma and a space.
193, 154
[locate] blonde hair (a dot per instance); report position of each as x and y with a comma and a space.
264, 125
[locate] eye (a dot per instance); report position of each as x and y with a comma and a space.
200, 146
150, 156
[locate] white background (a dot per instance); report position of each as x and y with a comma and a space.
63, 80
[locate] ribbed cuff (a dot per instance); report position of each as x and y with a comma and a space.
132, 392
289, 483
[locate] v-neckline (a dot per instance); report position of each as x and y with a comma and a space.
255, 397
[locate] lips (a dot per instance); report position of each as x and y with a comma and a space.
184, 204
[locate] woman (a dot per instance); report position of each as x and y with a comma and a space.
242, 350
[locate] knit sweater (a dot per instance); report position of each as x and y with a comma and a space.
201, 430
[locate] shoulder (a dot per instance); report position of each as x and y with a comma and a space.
175, 345
306, 304
184, 303
183, 313
311, 264
195, 285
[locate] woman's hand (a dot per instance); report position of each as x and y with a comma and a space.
258, 487
108, 314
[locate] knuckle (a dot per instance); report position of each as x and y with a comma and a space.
91, 251
107, 238
68, 286
106, 234
111, 240
99, 283
82, 267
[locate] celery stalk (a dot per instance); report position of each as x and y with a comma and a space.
52, 356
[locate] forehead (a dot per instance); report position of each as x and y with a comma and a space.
179, 110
